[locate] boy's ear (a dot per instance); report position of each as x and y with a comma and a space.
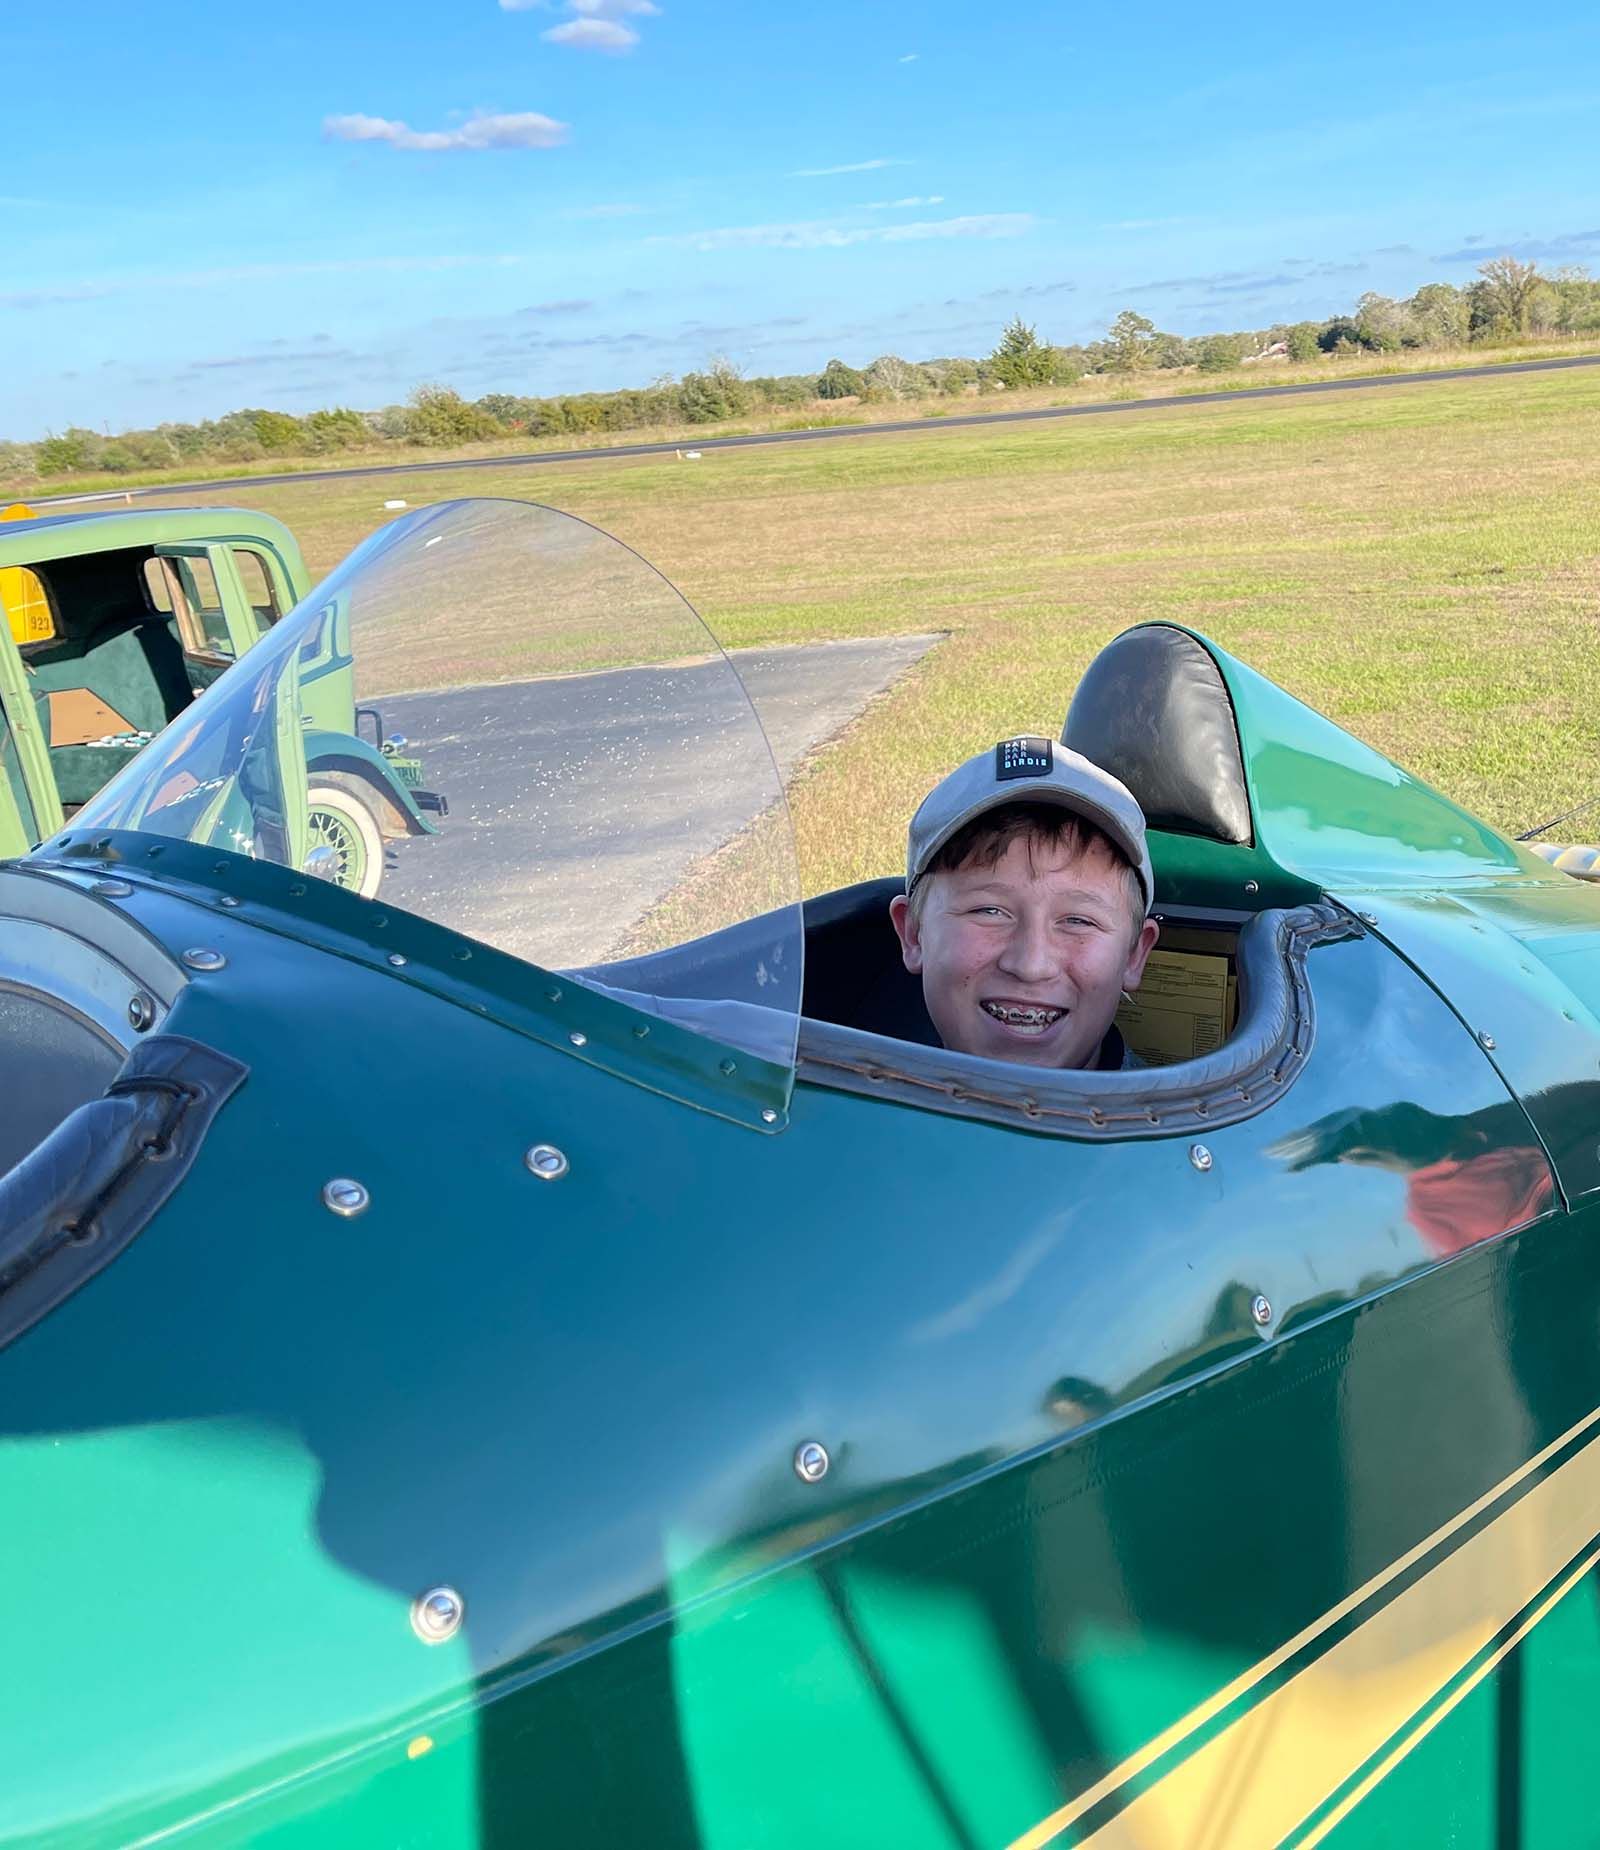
1139, 952
907, 930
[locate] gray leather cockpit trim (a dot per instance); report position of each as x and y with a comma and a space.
1257, 1064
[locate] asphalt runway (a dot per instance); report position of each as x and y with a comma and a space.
827, 433
578, 802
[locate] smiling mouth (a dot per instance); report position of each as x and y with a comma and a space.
1029, 1018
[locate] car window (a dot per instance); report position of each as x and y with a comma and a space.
259, 588
156, 587
188, 588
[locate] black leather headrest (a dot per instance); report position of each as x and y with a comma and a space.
1153, 710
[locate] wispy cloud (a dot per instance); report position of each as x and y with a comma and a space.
619, 210
824, 173
557, 308
1564, 247
51, 296
900, 205
1146, 224
595, 25
479, 132
593, 35
910, 58
821, 234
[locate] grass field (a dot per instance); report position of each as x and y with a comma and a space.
1420, 563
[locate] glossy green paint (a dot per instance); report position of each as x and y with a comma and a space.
1076, 1487
578, 1403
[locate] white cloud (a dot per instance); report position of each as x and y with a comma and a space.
616, 9
819, 234
900, 205
910, 57
823, 173
591, 34
480, 131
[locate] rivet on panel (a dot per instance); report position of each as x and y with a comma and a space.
437, 1614
141, 1013
1486, 1039
547, 1162
422, 1744
345, 1197
398, 959
228, 900
1367, 918
1252, 886
728, 1068
811, 1462
111, 889
203, 958
769, 1116
1200, 1156
578, 1038
1260, 1309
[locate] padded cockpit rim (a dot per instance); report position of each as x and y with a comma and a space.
1249, 1072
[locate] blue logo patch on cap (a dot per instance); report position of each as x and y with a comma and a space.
1028, 757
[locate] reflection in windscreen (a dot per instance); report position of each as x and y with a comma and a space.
551, 754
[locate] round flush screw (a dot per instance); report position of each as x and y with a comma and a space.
229, 900
578, 1038
202, 958
547, 1162
111, 889
1486, 1039
1367, 918
398, 959
1252, 886
811, 1462
345, 1198
769, 1116
1200, 1156
141, 1012
1260, 1309
437, 1614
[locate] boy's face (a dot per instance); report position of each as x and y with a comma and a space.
1026, 960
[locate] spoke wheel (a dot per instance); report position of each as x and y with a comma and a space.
343, 824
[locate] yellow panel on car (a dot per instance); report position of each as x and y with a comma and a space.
26, 605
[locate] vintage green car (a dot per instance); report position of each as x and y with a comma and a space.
117, 620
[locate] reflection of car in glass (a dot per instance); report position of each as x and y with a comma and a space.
117, 620
708, 1414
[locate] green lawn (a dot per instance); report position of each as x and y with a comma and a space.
1418, 562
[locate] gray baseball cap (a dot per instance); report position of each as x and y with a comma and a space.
1029, 770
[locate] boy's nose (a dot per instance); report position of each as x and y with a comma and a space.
1027, 955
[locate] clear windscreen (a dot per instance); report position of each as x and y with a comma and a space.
500, 718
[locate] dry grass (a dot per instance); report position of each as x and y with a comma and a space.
1421, 563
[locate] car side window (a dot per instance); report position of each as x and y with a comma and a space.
259, 587
185, 585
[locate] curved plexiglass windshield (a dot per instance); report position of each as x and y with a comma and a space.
498, 717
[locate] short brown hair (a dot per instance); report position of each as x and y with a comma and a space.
984, 840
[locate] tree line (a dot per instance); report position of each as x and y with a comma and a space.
1508, 301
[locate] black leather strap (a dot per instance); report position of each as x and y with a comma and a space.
74, 1203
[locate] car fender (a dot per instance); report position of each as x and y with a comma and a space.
342, 752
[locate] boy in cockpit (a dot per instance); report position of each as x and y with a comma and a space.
1026, 909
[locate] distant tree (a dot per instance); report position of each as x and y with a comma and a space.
1301, 341
338, 428
891, 377
1576, 307
1169, 352
73, 452
719, 392
1339, 335
277, 432
1384, 325
1219, 353
1129, 342
439, 417
1066, 365
840, 381
1020, 358
1439, 313
1509, 288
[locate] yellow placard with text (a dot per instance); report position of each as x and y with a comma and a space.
26, 606
1182, 1008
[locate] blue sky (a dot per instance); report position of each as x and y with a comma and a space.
328, 203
